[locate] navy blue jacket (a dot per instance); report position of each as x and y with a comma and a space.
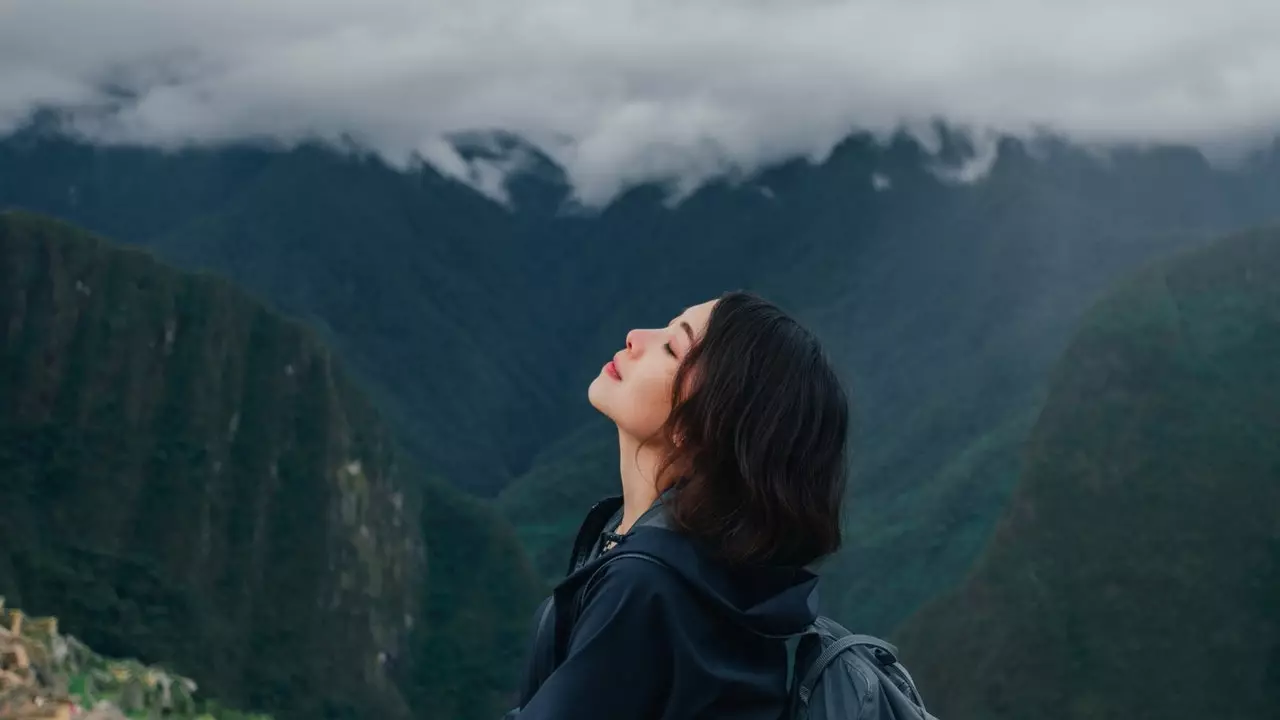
624, 637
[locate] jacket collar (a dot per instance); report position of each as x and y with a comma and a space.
599, 519
596, 521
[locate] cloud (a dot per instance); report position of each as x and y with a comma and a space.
621, 91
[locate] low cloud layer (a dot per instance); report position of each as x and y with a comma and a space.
620, 91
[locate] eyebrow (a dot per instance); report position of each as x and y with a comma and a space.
689, 329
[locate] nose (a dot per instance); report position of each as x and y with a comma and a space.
635, 341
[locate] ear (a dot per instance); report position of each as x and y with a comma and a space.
678, 438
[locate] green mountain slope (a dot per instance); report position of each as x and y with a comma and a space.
1136, 572
413, 279
475, 328
191, 479
944, 306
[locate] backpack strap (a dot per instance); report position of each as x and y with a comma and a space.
876, 642
844, 643
542, 658
892, 660
840, 645
826, 658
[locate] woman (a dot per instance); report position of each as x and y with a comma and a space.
681, 592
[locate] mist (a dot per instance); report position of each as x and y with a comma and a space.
620, 91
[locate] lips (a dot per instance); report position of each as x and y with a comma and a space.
611, 369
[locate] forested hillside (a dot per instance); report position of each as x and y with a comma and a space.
191, 479
475, 327
1136, 571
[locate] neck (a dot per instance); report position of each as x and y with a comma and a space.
639, 487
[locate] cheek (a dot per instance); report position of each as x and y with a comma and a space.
655, 393
639, 405
649, 402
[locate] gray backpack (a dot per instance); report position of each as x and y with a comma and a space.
842, 676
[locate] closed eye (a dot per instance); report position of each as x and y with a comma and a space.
670, 352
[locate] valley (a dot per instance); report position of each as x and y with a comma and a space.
451, 339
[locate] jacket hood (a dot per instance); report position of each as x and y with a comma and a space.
767, 600
770, 601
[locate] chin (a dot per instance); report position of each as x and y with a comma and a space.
603, 395
597, 394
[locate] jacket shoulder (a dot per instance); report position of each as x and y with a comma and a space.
631, 573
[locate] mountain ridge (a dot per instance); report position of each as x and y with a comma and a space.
476, 328
191, 478
1135, 568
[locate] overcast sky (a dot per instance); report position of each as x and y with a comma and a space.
622, 90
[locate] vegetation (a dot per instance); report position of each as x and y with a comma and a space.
475, 328
945, 324
1135, 572
43, 671
190, 479
412, 279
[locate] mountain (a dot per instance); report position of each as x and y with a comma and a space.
409, 276
943, 304
1136, 571
475, 326
191, 478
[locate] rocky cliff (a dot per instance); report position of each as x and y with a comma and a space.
189, 478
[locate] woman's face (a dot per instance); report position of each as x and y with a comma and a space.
634, 388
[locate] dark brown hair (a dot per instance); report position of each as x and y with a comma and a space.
757, 437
